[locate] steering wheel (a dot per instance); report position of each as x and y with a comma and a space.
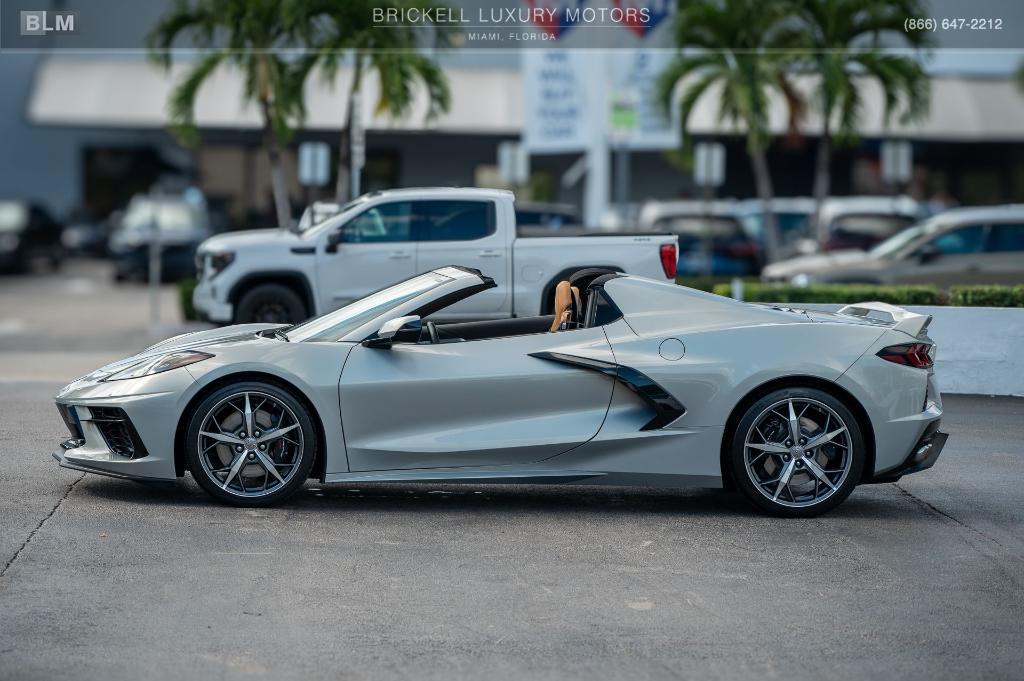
432, 330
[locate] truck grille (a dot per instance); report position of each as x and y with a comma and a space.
118, 432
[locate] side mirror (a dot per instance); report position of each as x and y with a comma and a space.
400, 330
928, 253
333, 239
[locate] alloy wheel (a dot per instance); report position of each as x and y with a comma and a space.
798, 452
250, 444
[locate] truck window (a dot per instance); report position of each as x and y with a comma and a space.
454, 220
383, 223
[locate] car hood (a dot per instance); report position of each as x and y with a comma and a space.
186, 341
822, 262
253, 239
198, 339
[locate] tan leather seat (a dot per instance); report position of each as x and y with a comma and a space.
567, 306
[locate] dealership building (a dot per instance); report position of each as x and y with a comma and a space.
88, 130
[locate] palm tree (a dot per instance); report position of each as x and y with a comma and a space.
242, 34
839, 41
734, 59
343, 32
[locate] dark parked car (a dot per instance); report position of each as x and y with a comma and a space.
180, 227
28, 233
733, 252
546, 215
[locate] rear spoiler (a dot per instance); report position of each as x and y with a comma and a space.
903, 320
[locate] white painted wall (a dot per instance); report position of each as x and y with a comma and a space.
980, 349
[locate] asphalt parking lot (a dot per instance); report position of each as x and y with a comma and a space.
108, 579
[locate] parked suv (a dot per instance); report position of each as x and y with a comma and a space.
959, 246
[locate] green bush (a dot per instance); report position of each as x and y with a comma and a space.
987, 296
709, 283
185, 288
836, 293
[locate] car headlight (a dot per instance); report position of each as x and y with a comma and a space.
159, 364
800, 280
219, 262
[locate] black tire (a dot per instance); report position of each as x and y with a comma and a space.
295, 478
270, 303
843, 485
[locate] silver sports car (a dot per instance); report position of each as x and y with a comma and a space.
630, 382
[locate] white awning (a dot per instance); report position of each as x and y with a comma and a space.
963, 108
132, 93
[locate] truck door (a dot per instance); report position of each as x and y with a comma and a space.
376, 250
465, 232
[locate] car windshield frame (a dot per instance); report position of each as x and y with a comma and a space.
335, 326
904, 240
345, 213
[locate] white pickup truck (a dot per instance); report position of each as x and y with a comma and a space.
384, 237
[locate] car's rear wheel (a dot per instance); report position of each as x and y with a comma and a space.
797, 452
251, 444
271, 304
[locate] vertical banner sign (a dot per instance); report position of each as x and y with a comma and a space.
556, 105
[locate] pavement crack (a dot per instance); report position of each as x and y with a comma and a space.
42, 522
939, 511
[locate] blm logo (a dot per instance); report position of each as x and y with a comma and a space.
43, 22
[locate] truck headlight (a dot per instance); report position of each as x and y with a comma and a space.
219, 262
159, 364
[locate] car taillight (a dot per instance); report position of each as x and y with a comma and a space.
919, 355
668, 260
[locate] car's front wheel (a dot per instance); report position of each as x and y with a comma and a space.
797, 452
251, 444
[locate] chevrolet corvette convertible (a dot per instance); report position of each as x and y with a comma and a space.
630, 382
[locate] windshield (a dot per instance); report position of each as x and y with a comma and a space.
696, 226
334, 326
792, 225
895, 243
170, 216
316, 224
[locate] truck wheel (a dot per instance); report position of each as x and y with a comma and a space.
270, 304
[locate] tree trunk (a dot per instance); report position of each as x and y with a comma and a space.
765, 192
344, 160
341, 187
277, 180
822, 180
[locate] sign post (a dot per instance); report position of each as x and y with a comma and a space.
709, 174
897, 161
513, 163
314, 164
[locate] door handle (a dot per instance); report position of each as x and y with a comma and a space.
490, 254
400, 255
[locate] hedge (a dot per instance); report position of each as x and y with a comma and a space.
987, 296
962, 296
709, 283
185, 288
836, 293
